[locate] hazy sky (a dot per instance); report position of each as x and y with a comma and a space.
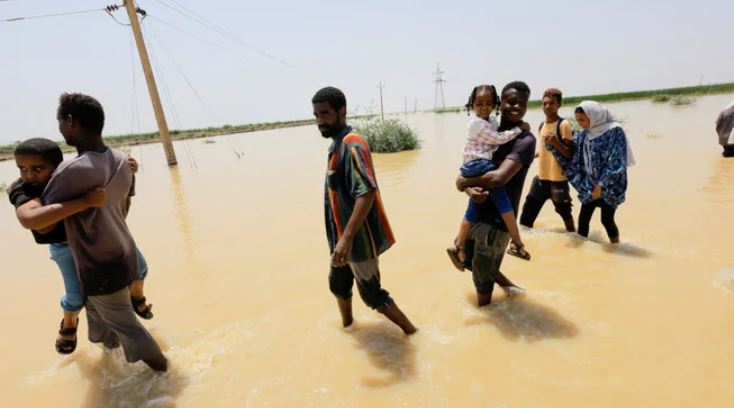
581, 47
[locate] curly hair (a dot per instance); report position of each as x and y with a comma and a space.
84, 109
479, 88
554, 93
519, 86
38, 146
333, 96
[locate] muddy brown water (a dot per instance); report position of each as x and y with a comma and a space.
239, 268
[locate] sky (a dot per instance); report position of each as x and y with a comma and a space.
263, 60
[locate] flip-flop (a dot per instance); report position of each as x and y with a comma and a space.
454, 256
518, 251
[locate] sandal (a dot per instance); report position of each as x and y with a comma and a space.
518, 251
66, 346
454, 256
146, 313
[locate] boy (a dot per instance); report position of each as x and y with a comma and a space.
37, 159
550, 183
356, 225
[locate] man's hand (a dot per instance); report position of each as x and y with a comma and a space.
133, 164
477, 194
341, 252
96, 197
596, 194
525, 127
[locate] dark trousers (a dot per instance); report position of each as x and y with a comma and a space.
540, 192
607, 218
728, 151
367, 275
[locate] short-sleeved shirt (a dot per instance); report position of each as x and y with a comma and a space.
350, 175
548, 167
103, 249
20, 193
521, 150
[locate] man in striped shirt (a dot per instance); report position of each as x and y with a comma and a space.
356, 225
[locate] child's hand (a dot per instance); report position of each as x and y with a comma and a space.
549, 139
133, 164
96, 197
525, 127
477, 194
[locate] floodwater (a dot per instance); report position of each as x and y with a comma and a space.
239, 267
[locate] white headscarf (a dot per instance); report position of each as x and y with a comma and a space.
729, 105
601, 120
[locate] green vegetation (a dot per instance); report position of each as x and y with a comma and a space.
3, 187
387, 136
676, 96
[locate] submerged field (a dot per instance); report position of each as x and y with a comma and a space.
238, 275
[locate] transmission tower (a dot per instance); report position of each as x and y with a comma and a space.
438, 93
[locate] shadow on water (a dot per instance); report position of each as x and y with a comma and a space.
113, 382
623, 248
519, 318
388, 349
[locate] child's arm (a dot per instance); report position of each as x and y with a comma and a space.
486, 133
36, 216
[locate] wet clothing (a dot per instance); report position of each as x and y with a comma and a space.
74, 297
607, 218
548, 167
350, 175
499, 197
542, 190
20, 193
367, 274
725, 127
103, 248
112, 321
489, 244
601, 161
520, 150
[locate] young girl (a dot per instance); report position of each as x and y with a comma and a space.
596, 165
482, 141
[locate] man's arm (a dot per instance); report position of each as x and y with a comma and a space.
491, 179
343, 248
33, 215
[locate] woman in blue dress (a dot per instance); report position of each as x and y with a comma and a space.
596, 165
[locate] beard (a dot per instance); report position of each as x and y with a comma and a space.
331, 131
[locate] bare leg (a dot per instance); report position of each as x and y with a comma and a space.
516, 244
70, 322
137, 292
461, 238
345, 310
396, 316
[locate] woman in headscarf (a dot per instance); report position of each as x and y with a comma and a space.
596, 165
725, 129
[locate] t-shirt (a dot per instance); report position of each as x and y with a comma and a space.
548, 167
103, 249
350, 175
521, 150
20, 193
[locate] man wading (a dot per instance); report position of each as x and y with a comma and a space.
356, 224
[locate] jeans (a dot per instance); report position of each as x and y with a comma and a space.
475, 168
74, 297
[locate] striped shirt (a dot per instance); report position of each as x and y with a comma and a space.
350, 175
483, 138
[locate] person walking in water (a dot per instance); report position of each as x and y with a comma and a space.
725, 129
356, 224
596, 162
550, 183
103, 249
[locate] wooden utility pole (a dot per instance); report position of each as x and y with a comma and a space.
160, 116
405, 99
382, 109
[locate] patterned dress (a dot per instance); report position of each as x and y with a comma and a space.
601, 161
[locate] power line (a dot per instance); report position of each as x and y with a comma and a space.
188, 13
68, 13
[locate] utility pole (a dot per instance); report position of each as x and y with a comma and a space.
160, 116
406, 105
382, 108
415, 105
438, 91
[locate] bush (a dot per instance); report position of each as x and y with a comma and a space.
388, 136
660, 98
681, 100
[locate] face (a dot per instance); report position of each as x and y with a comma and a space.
583, 120
550, 105
483, 103
514, 104
34, 169
329, 121
69, 129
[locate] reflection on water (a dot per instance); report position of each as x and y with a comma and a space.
239, 280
